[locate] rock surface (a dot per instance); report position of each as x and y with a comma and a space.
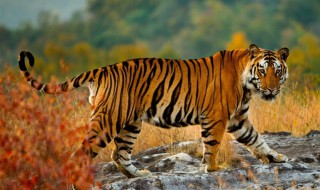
184, 171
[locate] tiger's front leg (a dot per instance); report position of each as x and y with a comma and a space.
244, 132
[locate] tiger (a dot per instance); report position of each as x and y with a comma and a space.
213, 92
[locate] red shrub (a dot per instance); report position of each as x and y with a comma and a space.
37, 136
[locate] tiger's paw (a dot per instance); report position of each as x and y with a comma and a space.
137, 173
143, 173
273, 157
210, 168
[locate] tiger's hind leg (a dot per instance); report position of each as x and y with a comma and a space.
122, 154
212, 134
96, 139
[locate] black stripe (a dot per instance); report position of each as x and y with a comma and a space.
46, 88
150, 112
178, 117
196, 69
189, 72
125, 64
212, 126
120, 140
230, 55
110, 122
169, 109
208, 74
64, 86
86, 77
205, 134
234, 128
132, 129
254, 140
161, 124
220, 85
95, 72
40, 86
152, 72
108, 137
260, 145
92, 154
223, 53
99, 80
196, 120
95, 132
76, 81
101, 143
189, 117
211, 143
27, 74
119, 124
212, 64
131, 137
244, 111
124, 148
145, 86
123, 158
22, 64
143, 89
172, 78
157, 95
245, 139
144, 67
188, 94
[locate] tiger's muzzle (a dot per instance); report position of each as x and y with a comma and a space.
269, 94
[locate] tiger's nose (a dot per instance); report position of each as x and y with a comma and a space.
273, 91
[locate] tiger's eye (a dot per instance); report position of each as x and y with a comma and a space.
261, 71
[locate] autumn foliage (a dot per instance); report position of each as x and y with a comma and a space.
37, 136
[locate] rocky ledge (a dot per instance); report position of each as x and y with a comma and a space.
184, 171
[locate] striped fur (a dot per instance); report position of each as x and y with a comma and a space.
214, 92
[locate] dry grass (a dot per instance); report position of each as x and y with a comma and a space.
295, 112
39, 132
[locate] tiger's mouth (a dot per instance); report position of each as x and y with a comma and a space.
268, 97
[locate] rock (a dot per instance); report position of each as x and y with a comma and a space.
179, 162
281, 133
313, 134
307, 158
185, 171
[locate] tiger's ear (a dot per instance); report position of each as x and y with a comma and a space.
254, 50
284, 53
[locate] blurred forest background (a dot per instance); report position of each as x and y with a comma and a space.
105, 32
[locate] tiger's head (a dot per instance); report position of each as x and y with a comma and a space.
266, 72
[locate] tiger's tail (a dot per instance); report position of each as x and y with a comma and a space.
50, 88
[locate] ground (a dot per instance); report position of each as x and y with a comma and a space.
185, 171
